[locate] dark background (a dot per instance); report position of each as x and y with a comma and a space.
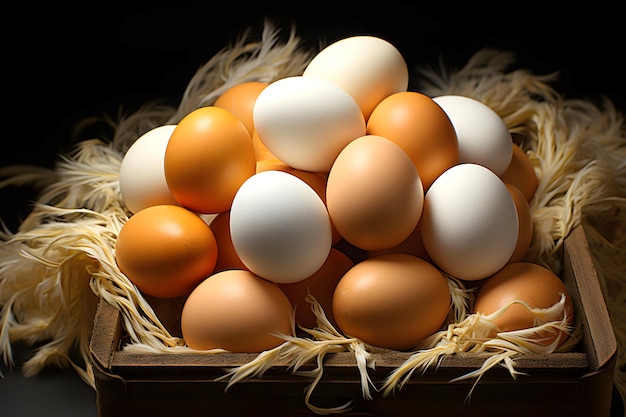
65, 64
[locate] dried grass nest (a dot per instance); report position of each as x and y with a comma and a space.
63, 252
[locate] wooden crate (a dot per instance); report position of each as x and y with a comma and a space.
576, 383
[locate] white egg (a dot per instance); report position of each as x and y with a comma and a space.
280, 227
469, 223
305, 122
482, 134
367, 67
142, 175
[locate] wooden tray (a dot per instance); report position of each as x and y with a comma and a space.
577, 383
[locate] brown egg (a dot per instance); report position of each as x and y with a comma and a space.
374, 194
227, 257
421, 128
239, 100
391, 301
521, 173
525, 221
321, 285
238, 311
209, 155
533, 284
166, 250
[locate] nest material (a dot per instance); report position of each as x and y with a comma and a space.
61, 259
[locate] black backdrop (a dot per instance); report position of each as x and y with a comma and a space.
64, 64
67, 64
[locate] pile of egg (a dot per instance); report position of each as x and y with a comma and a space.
245, 206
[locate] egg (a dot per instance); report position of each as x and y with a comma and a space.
521, 173
166, 250
469, 223
209, 155
227, 257
280, 227
315, 180
369, 68
142, 174
306, 121
391, 301
237, 311
239, 100
374, 194
530, 283
320, 285
482, 134
421, 128
525, 219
